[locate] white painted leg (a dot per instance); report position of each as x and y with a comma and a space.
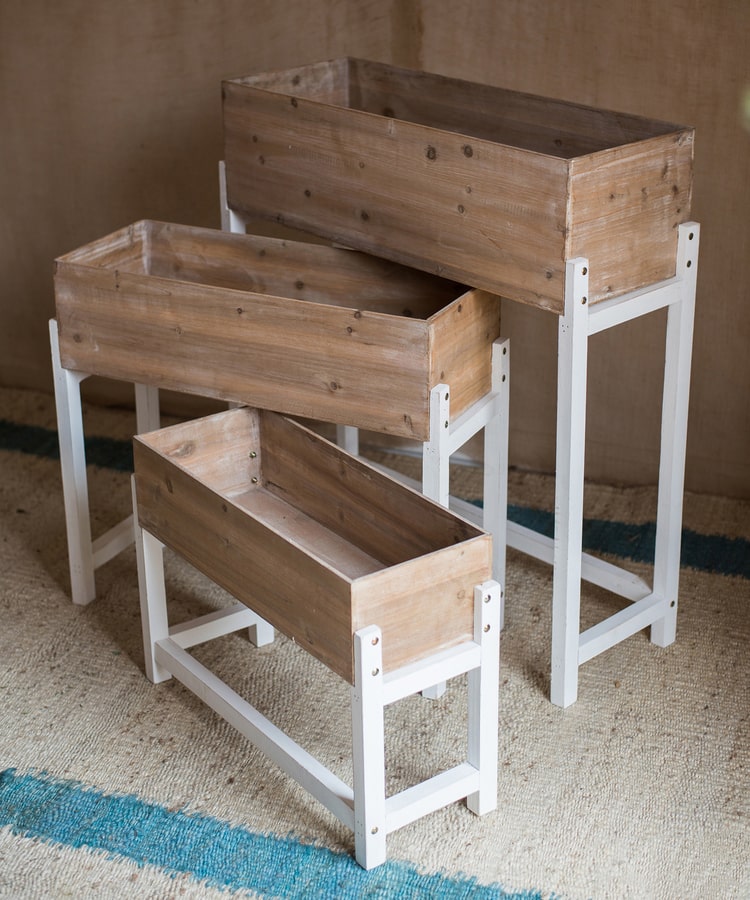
261, 633
436, 471
147, 415
436, 451
483, 696
153, 597
230, 220
74, 480
569, 470
368, 749
674, 435
347, 437
495, 496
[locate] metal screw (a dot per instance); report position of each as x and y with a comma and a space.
254, 480
376, 671
252, 454
486, 628
375, 641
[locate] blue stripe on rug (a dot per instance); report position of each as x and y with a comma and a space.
713, 553
107, 453
228, 857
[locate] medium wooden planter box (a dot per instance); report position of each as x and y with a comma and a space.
298, 328
312, 539
491, 187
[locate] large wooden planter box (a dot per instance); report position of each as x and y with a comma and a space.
491, 187
312, 539
298, 328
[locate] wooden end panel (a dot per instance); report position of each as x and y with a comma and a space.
125, 249
481, 213
462, 338
305, 600
327, 81
625, 207
222, 450
382, 517
424, 605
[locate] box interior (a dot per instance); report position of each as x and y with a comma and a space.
332, 505
539, 124
272, 267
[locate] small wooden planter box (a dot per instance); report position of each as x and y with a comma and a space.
298, 328
491, 187
310, 538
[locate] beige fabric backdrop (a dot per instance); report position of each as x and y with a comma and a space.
111, 113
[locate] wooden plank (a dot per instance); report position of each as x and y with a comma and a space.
384, 518
222, 450
541, 124
424, 604
625, 206
124, 248
461, 356
294, 269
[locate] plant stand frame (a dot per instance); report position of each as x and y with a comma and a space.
651, 605
363, 807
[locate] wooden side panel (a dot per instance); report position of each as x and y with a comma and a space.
625, 206
462, 337
280, 581
425, 604
382, 517
544, 125
294, 269
348, 366
482, 213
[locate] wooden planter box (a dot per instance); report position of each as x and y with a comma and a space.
312, 539
491, 187
298, 328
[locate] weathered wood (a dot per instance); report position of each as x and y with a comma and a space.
488, 186
299, 328
321, 564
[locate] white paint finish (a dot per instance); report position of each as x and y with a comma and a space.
569, 470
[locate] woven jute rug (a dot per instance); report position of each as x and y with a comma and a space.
113, 787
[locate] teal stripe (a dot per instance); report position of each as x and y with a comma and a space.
229, 857
712, 553
107, 453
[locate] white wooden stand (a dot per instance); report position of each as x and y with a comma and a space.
84, 554
363, 807
651, 605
